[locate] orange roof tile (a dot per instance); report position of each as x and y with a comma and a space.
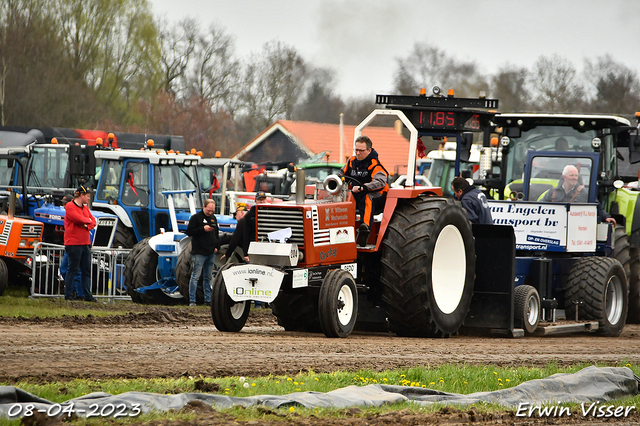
392, 148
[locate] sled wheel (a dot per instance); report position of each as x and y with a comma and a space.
527, 307
599, 285
338, 304
227, 315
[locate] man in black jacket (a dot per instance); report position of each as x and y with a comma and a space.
473, 200
368, 182
205, 242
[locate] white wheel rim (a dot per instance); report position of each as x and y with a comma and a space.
449, 268
345, 305
532, 311
237, 309
614, 300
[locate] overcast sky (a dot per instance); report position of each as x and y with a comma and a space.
361, 39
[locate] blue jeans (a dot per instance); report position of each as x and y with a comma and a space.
201, 265
77, 282
79, 259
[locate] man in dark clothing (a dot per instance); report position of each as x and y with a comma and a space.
368, 182
78, 221
205, 242
245, 229
473, 200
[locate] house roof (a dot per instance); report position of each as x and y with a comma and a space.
314, 138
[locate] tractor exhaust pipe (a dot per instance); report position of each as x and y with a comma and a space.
300, 184
12, 204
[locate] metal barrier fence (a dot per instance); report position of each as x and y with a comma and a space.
107, 268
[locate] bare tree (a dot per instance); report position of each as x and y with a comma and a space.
511, 87
215, 75
272, 85
177, 47
427, 66
556, 88
617, 89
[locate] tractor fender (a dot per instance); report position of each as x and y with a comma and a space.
390, 204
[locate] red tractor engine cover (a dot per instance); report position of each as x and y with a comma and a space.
324, 232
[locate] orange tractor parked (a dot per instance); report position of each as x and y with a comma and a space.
417, 272
18, 235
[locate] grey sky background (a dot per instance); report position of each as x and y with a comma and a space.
361, 39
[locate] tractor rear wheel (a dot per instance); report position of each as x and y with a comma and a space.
629, 257
338, 304
128, 271
227, 315
526, 307
184, 267
4, 277
428, 267
124, 237
599, 285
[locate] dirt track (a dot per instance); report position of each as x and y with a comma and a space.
173, 341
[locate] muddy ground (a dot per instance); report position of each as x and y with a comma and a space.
154, 341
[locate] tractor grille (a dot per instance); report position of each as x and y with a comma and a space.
6, 231
273, 219
31, 231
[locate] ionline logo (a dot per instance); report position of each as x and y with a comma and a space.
241, 291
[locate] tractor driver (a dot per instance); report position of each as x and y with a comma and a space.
570, 190
368, 184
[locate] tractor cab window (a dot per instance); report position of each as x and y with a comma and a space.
135, 190
6, 172
545, 138
176, 177
560, 179
48, 167
109, 181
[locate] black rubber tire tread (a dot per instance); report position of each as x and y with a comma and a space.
221, 304
328, 304
521, 296
145, 272
128, 271
4, 276
184, 268
297, 311
407, 255
586, 283
183, 275
629, 257
124, 237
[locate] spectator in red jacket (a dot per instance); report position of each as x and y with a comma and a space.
78, 221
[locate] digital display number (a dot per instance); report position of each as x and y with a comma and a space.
448, 120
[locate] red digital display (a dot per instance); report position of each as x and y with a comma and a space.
448, 120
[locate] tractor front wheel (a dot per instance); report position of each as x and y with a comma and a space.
227, 315
338, 304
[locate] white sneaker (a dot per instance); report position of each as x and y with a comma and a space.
192, 304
